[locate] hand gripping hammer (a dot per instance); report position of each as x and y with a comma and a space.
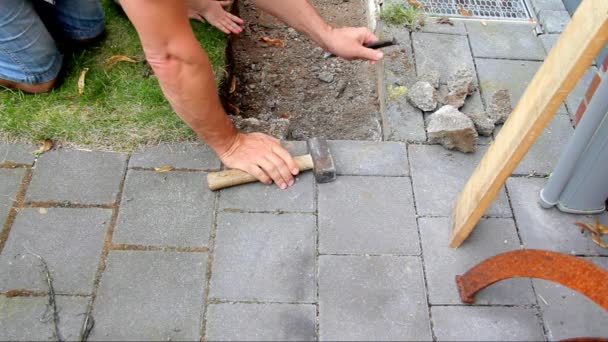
319, 160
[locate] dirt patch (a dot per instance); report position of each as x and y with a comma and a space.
320, 97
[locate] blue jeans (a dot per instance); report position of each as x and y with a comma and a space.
28, 52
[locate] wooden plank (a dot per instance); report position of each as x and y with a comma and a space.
573, 53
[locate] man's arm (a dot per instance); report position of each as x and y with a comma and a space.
186, 78
344, 42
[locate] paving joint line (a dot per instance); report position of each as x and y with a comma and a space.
509, 59
215, 301
152, 169
145, 248
423, 264
11, 165
13, 293
369, 255
65, 205
520, 306
317, 264
107, 243
273, 212
209, 273
15, 207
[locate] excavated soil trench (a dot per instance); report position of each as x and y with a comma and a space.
331, 97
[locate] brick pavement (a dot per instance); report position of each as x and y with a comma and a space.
157, 256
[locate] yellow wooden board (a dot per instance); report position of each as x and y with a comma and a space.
581, 41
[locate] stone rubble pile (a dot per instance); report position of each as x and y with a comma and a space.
447, 125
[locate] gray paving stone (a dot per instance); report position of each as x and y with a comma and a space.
150, 296
401, 121
553, 21
181, 156
546, 151
432, 26
442, 52
578, 93
548, 228
505, 40
372, 299
57, 235
165, 209
439, 175
17, 153
555, 5
496, 74
261, 197
442, 263
77, 176
261, 322
367, 215
466, 323
264, 257
369, 158
567, 313
20, 318
10, 180
548, 41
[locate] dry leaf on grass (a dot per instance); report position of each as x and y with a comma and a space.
414, 3
119, 58
234, 109
284, 116
83, 74
445, 20
164, 168
232, 85
45, 145
272, 41
464, 12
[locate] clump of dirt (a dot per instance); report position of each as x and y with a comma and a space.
331, 97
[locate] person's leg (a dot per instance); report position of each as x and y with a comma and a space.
29, 59
79, 21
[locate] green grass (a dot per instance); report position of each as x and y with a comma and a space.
401, 14
120, 110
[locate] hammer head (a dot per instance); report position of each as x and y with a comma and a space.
323, 163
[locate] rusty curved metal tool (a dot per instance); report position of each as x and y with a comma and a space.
576, 273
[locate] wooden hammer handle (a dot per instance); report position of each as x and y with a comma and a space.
227, 178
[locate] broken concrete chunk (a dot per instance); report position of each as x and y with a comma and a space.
463, 81
452, 129
423, 96
432, 77
326, 77
483, 124
500, 108
278, 128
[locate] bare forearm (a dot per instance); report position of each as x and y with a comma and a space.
299, 14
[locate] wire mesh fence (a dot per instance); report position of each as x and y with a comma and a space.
515, 10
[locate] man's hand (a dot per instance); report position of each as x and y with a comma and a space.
263, 157
347, 42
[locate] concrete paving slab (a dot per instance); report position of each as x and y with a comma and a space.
578, 93
442, 263
262, 197
432, 26
548, 228
77, 176
555, 5
372, 299
369, 158
165, 209
10, 181
150, 296
17, 153
466, 323
180, 156
505, 40
496, 74
442, 52
553, 21
261, 322
439, 175
548, 41
264, 257
567, 313
57, 235
402, 122
21, 318
367, 215
546, 151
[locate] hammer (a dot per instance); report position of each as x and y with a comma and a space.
319, 160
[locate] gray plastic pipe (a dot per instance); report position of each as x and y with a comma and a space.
578, 143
